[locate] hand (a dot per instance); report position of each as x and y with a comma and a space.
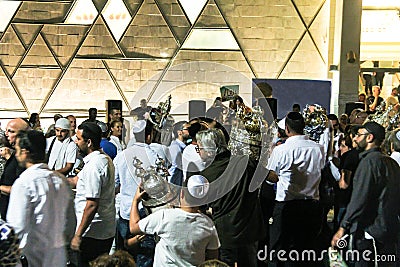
139, 194
339, 234
76, 242
139, 238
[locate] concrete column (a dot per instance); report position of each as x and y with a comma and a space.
350, 42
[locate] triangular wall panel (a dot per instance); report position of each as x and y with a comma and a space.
298, 65
9, 99
131, 75
85, 84
99, 42
39, 55
34, 85
308, 8
211, 17
193, 8
176, 17
320, 31
265, 38
133, 5
64, 39
11, 50
148, 35
27, 32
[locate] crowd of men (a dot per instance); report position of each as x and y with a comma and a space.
59, 192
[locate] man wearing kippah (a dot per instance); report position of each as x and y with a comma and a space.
295, 167
62, 150
372, 214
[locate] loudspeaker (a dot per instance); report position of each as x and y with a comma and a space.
197, 108
350, 106
112, 104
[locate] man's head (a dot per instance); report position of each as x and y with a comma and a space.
57, 116
376, 90
296, 107
88, 137
115, 115
92, 113
143, 103
62, 128
180, 130
13, 127
294, 123
210, 143
369, 135
72, 121
30, 147
334, 121
194, 191
394, 91
361, 97
395, 140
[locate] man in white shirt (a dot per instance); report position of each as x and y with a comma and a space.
181, 134
95, 197
41, 208
62, 150
187, 237
125, 175
296, 168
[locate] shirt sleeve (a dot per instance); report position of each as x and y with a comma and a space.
151, 224
19, 212
214, 241
117, 179
272, 164
93, 181
72, 152
362, 183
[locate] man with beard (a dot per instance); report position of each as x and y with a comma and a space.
95, 197
41, 208
372, 214
11, 169
181, 134
62, 150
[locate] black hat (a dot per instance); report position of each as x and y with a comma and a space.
376, 129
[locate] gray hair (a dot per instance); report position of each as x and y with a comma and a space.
213, 140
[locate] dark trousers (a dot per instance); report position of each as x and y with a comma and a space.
386, 253
296, 226
245, 256
368, 83
92, 248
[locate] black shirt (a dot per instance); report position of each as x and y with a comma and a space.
371, 100
374, 204
11, 172
349, 161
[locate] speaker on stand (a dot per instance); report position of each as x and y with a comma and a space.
197, 108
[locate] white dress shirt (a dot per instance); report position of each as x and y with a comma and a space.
396, 156
62, 152
96, 180
41, 212
191, 160
298, 163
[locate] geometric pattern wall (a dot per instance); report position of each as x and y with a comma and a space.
51, 63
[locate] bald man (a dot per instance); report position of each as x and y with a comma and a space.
12, 170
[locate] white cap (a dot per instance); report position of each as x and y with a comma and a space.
63, 123
281, 123
139, 126
198, 186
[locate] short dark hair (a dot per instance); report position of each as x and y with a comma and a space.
92, 109
92, 131
295, 121
178, 127
35, 142
333, 117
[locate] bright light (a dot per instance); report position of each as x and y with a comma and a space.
221, 39
117, 17
83, 12
7, 10
380, 3
192, 8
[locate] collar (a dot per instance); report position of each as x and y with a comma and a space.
180, 143
366, 152
296, 138
91, 155
38, 166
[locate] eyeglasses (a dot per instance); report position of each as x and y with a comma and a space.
360, 134
187, 129
197, 148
